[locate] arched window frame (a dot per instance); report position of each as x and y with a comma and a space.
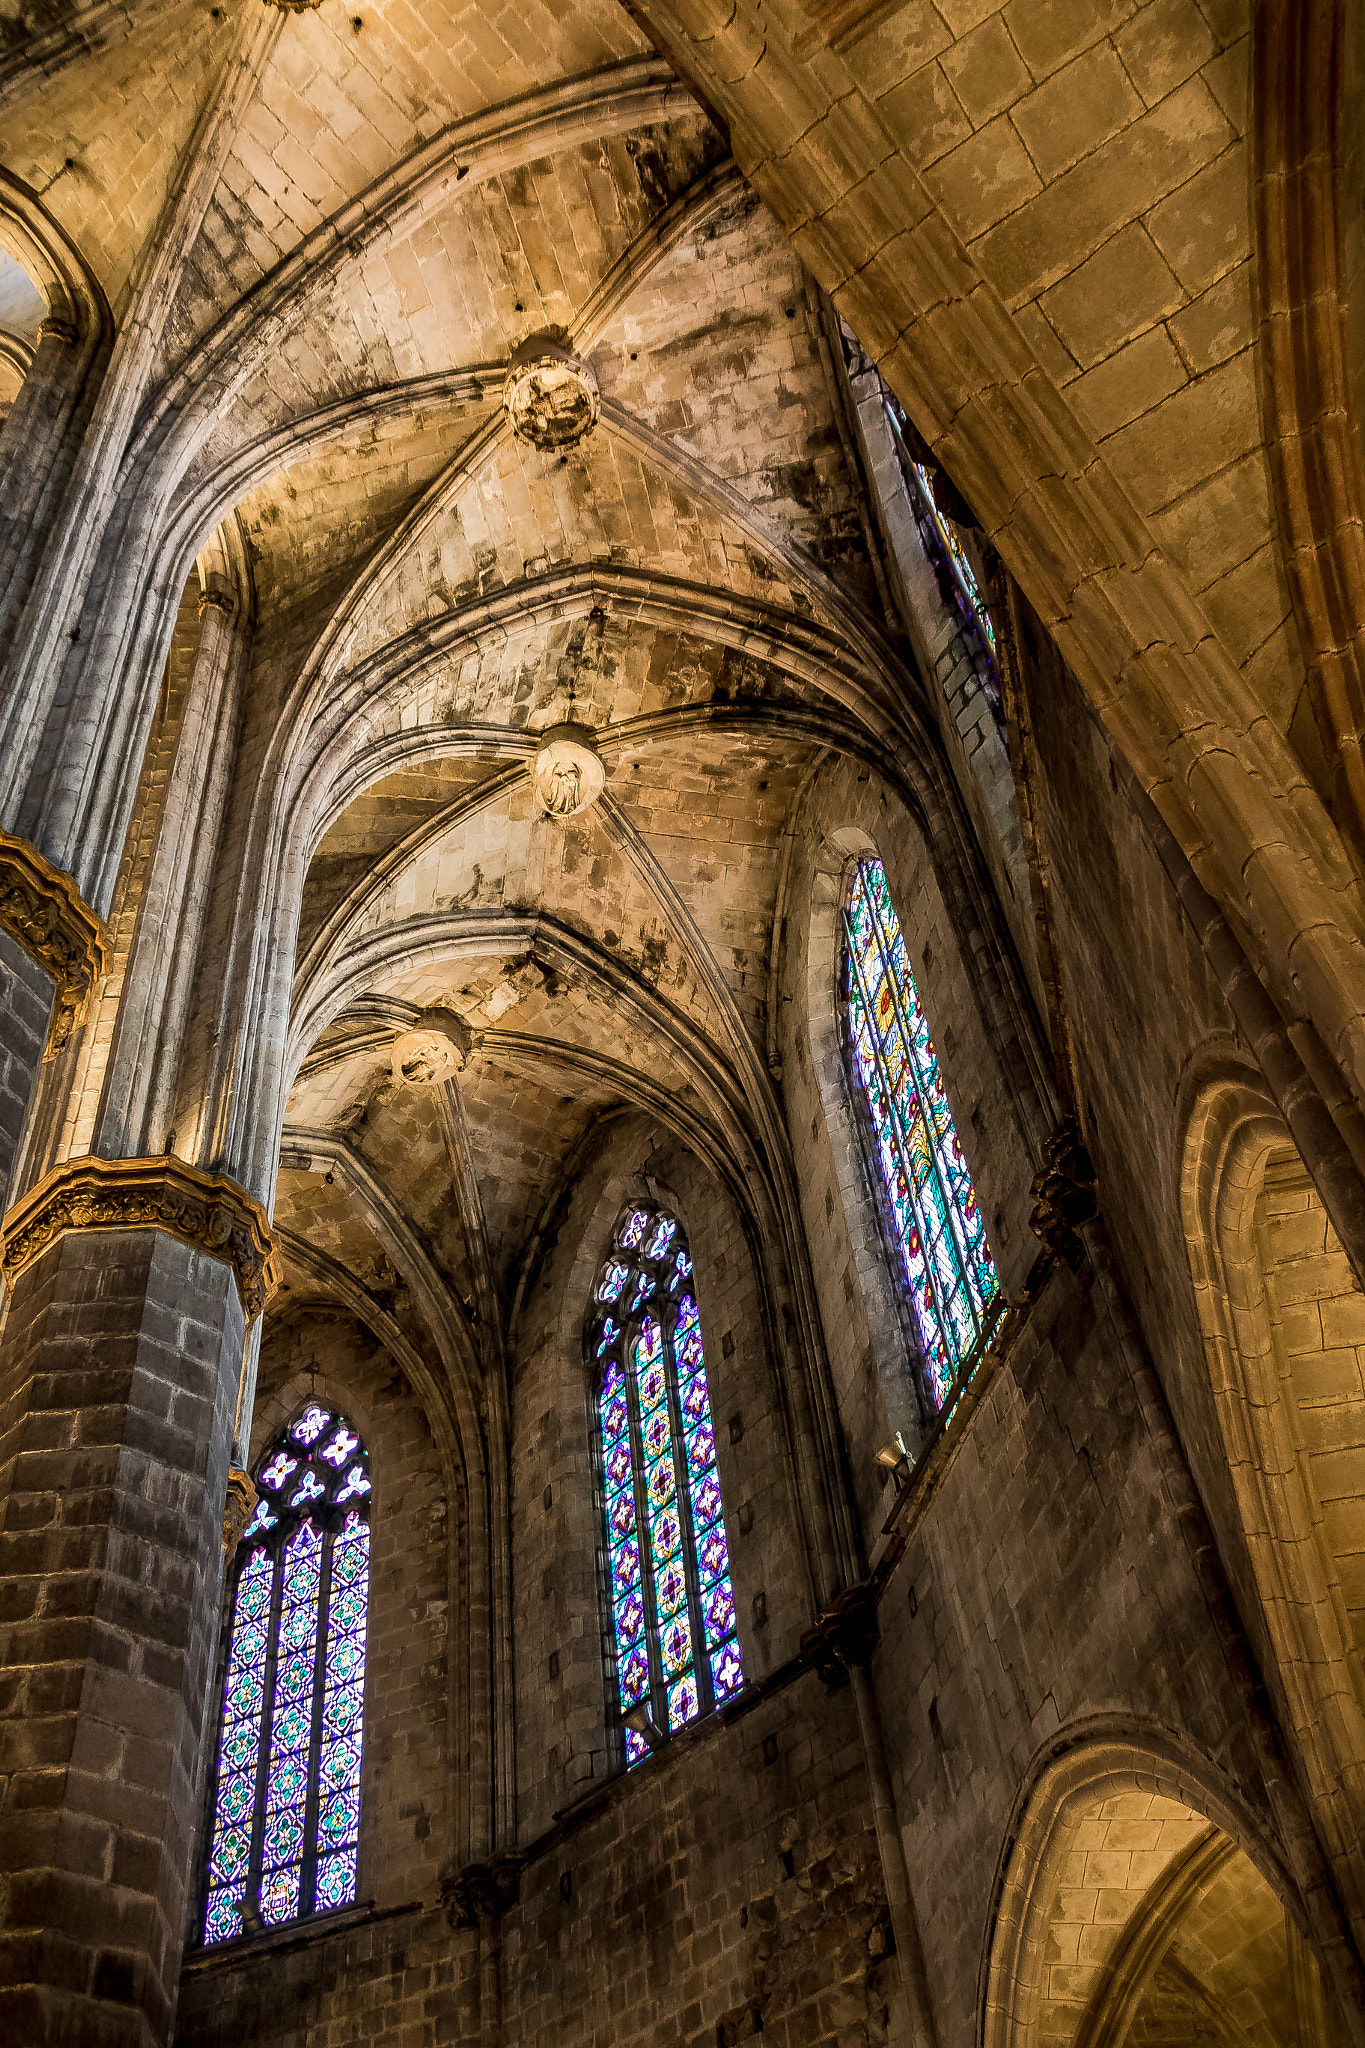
948, 1326
307, 1547
646, 1283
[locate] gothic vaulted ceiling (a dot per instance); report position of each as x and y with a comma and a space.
400, 204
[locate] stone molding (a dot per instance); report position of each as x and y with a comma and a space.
1302, 370
240, 1499
205, 1210
43, 910
59, 330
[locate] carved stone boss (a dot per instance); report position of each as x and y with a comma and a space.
205, 1210
42, 910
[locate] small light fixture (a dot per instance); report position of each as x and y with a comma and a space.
639, 1722
895, 1459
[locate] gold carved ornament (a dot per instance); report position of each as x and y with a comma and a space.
237, 1506
43, 911
205, 1210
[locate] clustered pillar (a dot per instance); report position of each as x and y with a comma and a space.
130, 1287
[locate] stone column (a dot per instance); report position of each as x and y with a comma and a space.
131, 1283
52, 952
841, 1647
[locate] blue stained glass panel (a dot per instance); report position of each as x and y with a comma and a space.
951, 1277
223, 1919
634, 1229
336, 1880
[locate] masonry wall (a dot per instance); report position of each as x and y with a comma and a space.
1148, 1022
1050, 1586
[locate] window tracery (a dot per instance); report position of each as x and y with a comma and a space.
674, 1632
930, 1204
284, 1813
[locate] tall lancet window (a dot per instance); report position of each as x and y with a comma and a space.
672, 1604
930, 1205
284, 1815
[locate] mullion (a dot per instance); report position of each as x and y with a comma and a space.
894, 1118
701, 1662
950, 1215
308, 1870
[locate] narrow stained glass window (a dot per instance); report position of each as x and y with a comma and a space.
672, 1604
284, 1811
935, 1221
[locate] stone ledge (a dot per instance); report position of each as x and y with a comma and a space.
205, 1210
45, 913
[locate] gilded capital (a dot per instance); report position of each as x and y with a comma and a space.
238, 1503
205, 1210
43, 910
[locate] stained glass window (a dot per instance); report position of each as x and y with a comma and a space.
935, 1221
284, 1806
957, 582
673, 1634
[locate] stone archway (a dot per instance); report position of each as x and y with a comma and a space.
1137, 1905
1284, 1335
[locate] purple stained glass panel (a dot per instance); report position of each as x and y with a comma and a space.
713, 1553
278, 1470
706, 1500
682, 1702
341, 1447
727, 1671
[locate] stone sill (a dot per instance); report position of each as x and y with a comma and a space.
298, 1934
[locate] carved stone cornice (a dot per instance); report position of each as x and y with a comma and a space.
205, 1210
43, 910
482, 1892
846, 1634
1063, 1192
238, 1503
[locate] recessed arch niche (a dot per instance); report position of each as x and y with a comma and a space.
1283, 1324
